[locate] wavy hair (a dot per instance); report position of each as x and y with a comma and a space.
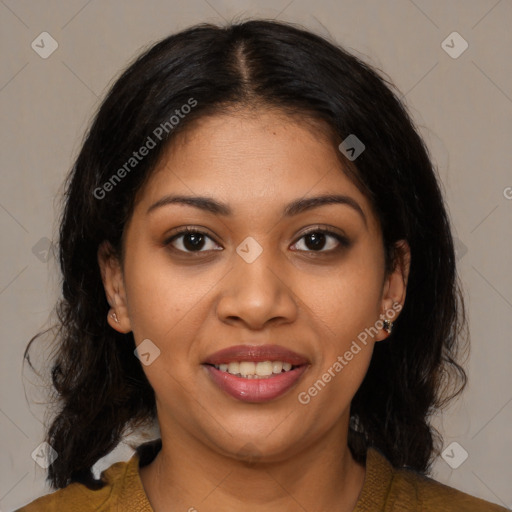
98, 383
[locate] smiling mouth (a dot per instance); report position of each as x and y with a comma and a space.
255, 369
255, 373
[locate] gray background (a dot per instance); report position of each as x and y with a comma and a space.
463, 107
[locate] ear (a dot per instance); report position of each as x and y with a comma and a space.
395, 285
113, 282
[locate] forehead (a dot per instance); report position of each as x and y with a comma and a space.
251, 158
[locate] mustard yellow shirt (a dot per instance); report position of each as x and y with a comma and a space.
385, 489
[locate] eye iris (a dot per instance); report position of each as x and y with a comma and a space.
193, 241
317, 239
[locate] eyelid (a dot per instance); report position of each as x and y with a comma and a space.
324, 229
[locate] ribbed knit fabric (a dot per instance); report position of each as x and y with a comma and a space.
385, 489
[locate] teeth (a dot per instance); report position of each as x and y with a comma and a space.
252, 370
247, 368
233, 368
277, 366
264, 369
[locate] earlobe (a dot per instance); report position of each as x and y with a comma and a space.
113, 283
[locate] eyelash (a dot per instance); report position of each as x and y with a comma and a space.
344, 242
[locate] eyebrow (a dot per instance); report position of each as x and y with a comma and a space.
294, 208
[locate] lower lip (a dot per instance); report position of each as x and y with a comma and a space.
256, 390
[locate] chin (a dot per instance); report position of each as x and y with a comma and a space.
254, 446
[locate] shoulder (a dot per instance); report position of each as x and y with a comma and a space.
405, 490
435, 496
79, 498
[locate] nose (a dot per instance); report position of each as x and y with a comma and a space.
257, 293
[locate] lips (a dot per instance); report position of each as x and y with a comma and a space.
251, 389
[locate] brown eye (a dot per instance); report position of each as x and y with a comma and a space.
192, 241
318, 239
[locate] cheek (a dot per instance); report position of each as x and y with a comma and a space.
166, 303
345, 301
342, 310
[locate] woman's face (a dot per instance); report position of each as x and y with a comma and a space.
251, 279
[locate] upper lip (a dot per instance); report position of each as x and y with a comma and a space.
256, 353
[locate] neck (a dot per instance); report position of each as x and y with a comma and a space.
190, 476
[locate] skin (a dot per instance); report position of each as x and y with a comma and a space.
190, 305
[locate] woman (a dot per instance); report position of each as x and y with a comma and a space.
256, 253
